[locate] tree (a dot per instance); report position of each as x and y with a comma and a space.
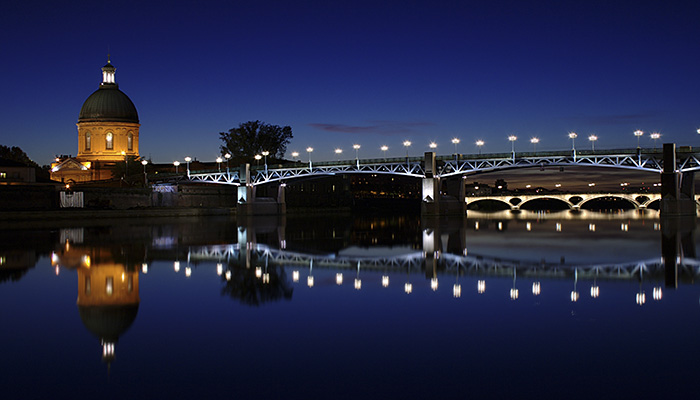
254, 137
16, 154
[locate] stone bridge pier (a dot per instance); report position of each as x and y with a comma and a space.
441, 198
677, 189
250, 204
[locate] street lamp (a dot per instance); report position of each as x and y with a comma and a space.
406, 144
432, 145
265, 154
145, 177
638, 133
512, 139
219, 160
257, 158
357, 153
227, 156
455, 141
573, 136
176, 164
655, 136
309, 150
384, 148
534, 142
479, 143
338, 152
295, 154
187, 160
592, 139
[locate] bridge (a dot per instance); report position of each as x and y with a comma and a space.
639, 201
676, 167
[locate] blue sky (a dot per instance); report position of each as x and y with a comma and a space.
340, 73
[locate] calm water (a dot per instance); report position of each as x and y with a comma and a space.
492, 306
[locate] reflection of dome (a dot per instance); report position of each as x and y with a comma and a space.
108, 322
108, 103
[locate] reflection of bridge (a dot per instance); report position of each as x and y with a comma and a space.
573, 201
452, 264
675, 167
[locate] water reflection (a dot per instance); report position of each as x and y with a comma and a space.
265, 260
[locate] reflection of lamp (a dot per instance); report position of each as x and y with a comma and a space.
339, 278
358, 282
595, 289
574, 293
219, 269
385, 280
434, 283
480, 286
657, 294
513, 290
295, 276
536, 288
176, 266
310, 278
144, 268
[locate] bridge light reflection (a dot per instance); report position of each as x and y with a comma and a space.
295, 276
358, 284
219, 269
228, 275
266, 277
513, 294
408, 288
434, 284
457, 291
591, 227
624, 227
528, 226
480, 286
657, 294
574, 296
536, 288
144, 268
641, 298
558, 227
176, 266
476, 225
338, 278
258, 272
385, 280
595, 291
188, 272
310, 281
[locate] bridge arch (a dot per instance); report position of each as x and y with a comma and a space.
557, 199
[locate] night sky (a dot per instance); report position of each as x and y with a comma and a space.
340, 73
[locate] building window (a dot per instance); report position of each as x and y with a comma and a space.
130, 141
109, 141
109, 286
88, 141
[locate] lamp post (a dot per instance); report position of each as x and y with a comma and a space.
145, 177
187, 160
176, 164
407, 144
265, 154
432, 145
479, 143
257, 158
357, 154
384, 148
309, 150
219, 160
655, 136
534, 142
638, 133
512, 139
227, 156
338, 152
573, 136
592, 139
295, 155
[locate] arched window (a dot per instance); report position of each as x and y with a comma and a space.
109, 141
88, 141
130, 141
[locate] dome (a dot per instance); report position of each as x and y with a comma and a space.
108, 103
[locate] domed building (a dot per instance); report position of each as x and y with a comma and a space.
108, 132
